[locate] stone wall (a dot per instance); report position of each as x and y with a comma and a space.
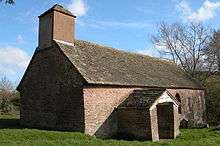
192, 105
51, 93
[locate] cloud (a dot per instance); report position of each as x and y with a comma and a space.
150, 52
12, 60
184, 8
78, 7
20, 39
205, 12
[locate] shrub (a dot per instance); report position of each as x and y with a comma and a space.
9, 101
6, 106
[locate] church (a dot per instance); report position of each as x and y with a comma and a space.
75, 85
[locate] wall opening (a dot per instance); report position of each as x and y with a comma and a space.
165, 119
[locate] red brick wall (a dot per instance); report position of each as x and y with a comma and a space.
45, 31
63, 27
100, 102
99, 105
192, 104
55, 25
134, 123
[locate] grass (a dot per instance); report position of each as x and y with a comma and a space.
12, 134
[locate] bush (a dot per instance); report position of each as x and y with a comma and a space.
6, 106
9, 102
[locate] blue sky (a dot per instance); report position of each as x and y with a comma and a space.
124, 24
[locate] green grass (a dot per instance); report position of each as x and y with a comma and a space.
12, 134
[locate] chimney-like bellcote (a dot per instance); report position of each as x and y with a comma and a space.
56, 23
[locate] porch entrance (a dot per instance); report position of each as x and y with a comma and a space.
165, 117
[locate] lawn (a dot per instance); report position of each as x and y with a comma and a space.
12, 134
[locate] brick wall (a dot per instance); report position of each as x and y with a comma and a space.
63, 27
100, 102
99, 105
134, 123
55, 25
192, 104
45, 31
51, 93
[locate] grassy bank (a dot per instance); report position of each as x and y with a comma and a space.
12, 134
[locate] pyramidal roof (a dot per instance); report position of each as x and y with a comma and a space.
58, 8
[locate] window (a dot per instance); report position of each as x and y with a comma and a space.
179, 99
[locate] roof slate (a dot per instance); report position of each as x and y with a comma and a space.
142, 98
107, 66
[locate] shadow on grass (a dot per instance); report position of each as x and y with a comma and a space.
215, 129
10, 124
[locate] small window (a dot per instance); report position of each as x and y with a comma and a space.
179, 99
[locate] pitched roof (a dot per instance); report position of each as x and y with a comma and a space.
142, 98
107, 66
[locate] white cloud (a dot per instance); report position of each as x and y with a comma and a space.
150, 52
184, 8
12, 60
205, 12
78, 7
20, 39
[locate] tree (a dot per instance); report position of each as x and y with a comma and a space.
183, 44
5, 84
9, 98
213, 51
8, 1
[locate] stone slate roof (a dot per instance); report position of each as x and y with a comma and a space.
142, 98
107, 66
58, 8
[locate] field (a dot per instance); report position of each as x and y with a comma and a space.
12, 134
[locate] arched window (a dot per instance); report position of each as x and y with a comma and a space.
179, 99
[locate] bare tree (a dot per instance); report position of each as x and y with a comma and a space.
5, 84
213, 51
183, 44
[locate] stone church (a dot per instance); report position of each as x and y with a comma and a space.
75, 85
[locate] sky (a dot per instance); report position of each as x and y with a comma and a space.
124, 24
